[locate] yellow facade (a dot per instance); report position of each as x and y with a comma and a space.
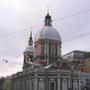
86, 66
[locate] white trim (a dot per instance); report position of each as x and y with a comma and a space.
58, 82
35, 82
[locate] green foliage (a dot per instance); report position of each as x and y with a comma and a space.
2, 79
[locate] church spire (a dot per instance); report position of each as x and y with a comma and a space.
48, 20
30, 42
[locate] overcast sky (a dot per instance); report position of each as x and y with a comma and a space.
18, 16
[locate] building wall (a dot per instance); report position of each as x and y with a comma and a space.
86, 66
51, 81
77, 57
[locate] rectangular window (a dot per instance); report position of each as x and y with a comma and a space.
42, 49
41, 84
42, 52
53, 50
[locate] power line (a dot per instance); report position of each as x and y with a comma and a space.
14, 33
77, 37
62, 18
74, 14
10, 34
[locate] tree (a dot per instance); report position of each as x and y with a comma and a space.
1, 83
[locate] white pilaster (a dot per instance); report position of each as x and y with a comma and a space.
58, 82
30, 84
35, 82
69, 83
58, 52
79, 84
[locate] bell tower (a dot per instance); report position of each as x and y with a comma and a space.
29, 52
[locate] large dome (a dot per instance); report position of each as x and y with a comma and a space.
47, 32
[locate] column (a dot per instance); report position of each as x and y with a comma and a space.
68, 83
58, 52
58, 82
30, 84
35, 82
79, 84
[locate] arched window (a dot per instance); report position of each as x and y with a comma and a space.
42, 52
52, 85
53, 50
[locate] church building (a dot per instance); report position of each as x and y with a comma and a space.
43, 66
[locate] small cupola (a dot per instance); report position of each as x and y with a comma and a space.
48, 20
30, 47
29, 52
